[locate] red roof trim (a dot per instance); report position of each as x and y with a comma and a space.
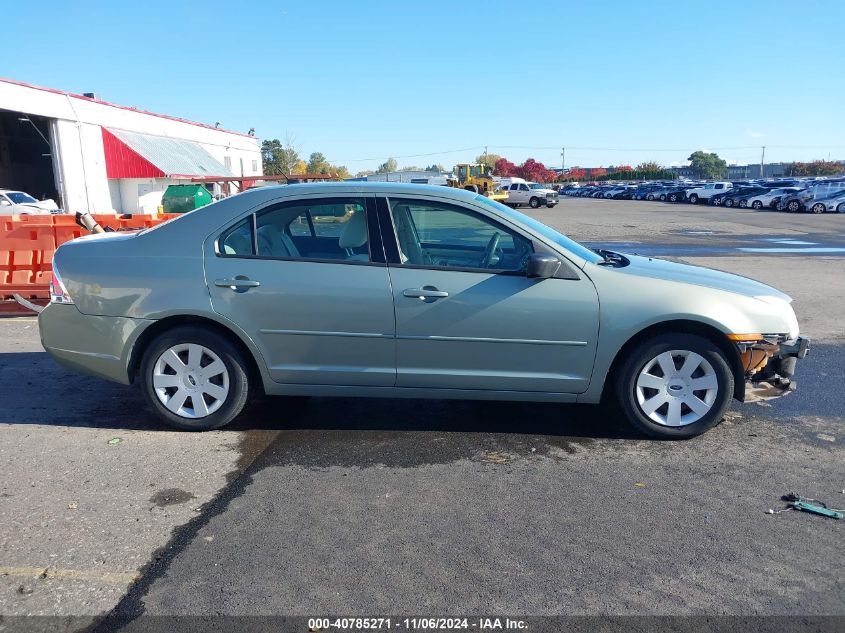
114, 105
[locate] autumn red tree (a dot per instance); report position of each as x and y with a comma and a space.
504, 168
535, 171
815, 168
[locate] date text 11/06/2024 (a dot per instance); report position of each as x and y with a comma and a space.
420, 624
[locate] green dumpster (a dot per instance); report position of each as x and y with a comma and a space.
184, 198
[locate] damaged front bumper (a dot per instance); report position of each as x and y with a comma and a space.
769, 366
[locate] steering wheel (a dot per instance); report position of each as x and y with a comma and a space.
490, 250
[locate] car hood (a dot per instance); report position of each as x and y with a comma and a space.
699, 276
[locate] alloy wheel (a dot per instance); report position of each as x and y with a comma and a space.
818, 208
677, 388
191, 380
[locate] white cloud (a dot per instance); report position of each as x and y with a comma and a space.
754, 134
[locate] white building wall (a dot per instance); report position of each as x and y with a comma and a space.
79, 144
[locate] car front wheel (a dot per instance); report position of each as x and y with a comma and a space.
693, 199
194, 379
841, 208
819, 208
675, 386
756, 205
534, 203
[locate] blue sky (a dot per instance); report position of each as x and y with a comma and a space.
361, 81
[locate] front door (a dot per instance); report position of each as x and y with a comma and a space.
467, 317
306, 280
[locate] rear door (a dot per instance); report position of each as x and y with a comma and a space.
307, 281
467, 317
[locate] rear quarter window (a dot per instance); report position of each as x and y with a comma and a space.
238, 240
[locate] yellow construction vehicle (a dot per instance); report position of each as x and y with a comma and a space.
476, 177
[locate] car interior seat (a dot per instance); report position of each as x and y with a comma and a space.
354, 236
274, 242
410, 249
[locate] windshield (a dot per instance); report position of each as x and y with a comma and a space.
19, 197
546, 231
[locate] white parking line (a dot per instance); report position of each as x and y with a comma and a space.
774, 249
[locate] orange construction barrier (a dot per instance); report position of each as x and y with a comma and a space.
27, 244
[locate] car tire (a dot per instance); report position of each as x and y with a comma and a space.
534, 203
662, 197
673, 197
550, 206
693, 199
743, 204
818, 208
729, 202
841, 208
649, 197
793, 206
638, 370
756, 205
228, 389
715, 201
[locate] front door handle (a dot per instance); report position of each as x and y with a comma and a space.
239, 282
425, 293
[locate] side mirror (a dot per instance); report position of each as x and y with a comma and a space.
542, 266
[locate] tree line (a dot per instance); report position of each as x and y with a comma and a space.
282, 158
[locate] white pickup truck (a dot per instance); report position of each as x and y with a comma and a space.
706, 191
531, 193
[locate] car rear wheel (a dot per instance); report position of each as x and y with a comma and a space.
716, 201
675, 386
756, 205
673, 197
819, 208
743, 204
649, 197
534, 203
729, 202
793, 206
693, 199
194, 379
841, 208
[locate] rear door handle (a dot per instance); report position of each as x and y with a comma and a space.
426, 292
239, 282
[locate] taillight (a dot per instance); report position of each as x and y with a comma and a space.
58, 292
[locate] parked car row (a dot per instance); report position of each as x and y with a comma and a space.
794, 196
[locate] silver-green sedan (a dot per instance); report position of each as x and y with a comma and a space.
391, 290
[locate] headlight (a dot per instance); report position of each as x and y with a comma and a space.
784, 309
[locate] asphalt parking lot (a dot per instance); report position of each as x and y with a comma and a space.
374, 507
